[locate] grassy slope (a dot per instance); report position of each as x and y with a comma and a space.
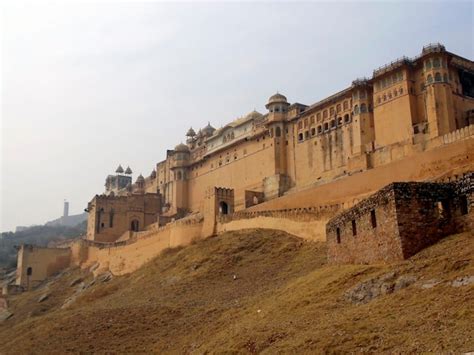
285, 298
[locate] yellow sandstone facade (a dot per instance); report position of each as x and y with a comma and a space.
261, 157
292, 168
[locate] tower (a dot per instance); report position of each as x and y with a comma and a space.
66, 209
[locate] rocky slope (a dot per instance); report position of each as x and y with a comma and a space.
254, 291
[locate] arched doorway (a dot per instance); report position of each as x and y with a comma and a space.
134, 225
223, 208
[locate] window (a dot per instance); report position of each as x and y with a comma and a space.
278, 132
326, 127
306, 134
356, 110
373, 219
389, 95
363, 108
223, 208
339, 121
338, 235
445, 78
354, 228
346, 118
300, 125
134, 225
429, 79
318, 116
305, 122
400, 76
379, 100
400, 91
428, 64
29, 271
395, 93
464, 205
111, 219
300, 137
320, 129
333, 124
311, 119
325, 114
346, 105
437, 77
436, 63
313, 131
338, 108
331, 111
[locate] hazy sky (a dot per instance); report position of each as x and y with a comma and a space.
87, 86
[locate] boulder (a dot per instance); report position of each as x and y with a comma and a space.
4, 315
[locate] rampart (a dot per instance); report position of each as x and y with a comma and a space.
400, 220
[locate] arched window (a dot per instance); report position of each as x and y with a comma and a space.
428, 64
111, 218
400, 91
345, 105
300, 124
346, 118
135, 225
318, 116
278, 132
384, 97
325, 114
338, 108
333, 123
339, 121
313, 131
438, 77
445, 78
326, 126
300, 137
223, 208
395, 93
29, 271
436, 63
320, 129
389, 95
363, 108
356, 110
429, 79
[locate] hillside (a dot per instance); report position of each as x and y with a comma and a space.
37, 235
255, 291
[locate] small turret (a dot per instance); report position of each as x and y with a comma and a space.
128, 171
119, 170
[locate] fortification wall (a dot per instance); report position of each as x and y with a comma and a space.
420, 166
307, 223
127, 256
36, 264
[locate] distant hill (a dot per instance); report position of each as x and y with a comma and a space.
37, 235
69, 221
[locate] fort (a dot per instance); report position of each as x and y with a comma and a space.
310, 170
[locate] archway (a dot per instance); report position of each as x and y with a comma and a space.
223, 208
134, 225
29, 271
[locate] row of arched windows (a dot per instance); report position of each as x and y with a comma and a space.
438, 78
331, 112
389, 81
325, 127
435, 63
388, 95
361, 109
228, 137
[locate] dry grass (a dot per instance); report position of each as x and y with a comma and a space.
284, 299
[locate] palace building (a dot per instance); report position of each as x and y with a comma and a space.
292, 146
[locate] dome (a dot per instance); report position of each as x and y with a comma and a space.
208, 130
140, 178
276, 99
190, 132
119, 170
181, 148
253, 115
128, 171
